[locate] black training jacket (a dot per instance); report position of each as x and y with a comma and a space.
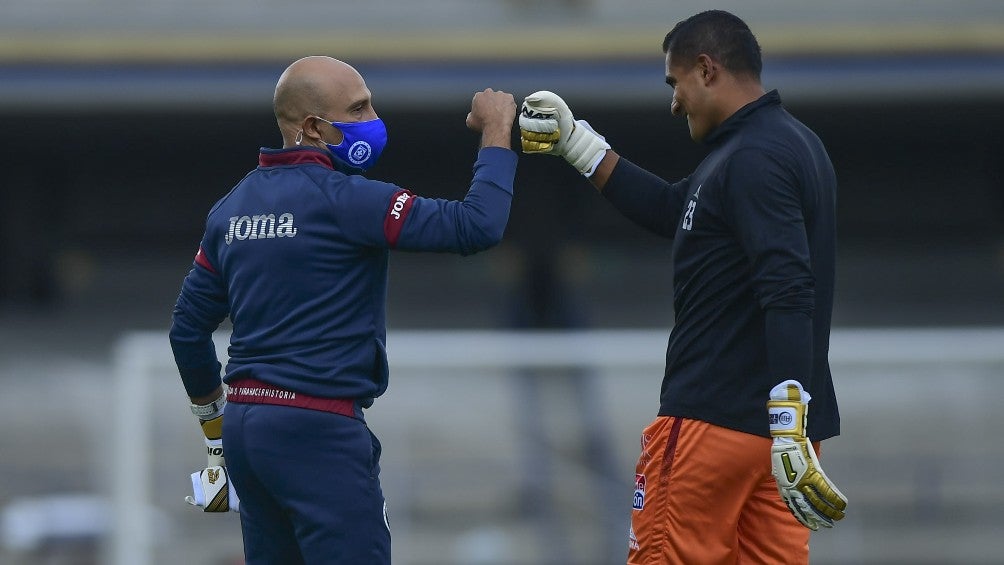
753, 232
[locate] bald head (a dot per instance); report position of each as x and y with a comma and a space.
318, 86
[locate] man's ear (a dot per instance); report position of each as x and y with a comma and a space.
313, 129
309, 127
707, 67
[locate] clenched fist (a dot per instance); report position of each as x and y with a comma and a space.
547, 126
492, 113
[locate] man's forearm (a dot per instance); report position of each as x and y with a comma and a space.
606, 166
497, 136
206, 399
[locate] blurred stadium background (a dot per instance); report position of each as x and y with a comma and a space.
125, 121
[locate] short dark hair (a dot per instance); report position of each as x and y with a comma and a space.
720, 35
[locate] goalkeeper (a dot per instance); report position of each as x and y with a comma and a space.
296, 255
753, 255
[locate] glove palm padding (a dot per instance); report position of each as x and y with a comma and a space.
810, 495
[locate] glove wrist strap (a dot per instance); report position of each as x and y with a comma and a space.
585, 150
787, 418
212, 410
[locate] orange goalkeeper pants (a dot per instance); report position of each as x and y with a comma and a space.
704, 495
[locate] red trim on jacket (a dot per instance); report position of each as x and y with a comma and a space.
200, 260
397, 212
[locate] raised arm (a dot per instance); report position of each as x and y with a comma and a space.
548, 127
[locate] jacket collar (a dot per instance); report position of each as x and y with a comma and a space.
294, 156
737, 120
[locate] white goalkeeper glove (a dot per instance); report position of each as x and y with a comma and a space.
812, 497
546, 126
212, 491
211, 419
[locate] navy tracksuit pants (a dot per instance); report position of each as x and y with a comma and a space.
309, 486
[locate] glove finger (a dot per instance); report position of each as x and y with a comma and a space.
822, 505
817, 487
819, 520
800, 514
220, 502
828, 491
823, 485
548, 101
812, 513
536, 146
541, 99
556, 108
534, 142
537, 106
542, 137
191, 501
813, 516
538, 125
531, 111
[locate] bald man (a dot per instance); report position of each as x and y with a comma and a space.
296, 255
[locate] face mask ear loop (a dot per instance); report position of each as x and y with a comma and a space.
299, 137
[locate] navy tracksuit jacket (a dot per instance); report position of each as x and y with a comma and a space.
296, 255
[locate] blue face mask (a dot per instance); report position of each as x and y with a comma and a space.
362, 142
